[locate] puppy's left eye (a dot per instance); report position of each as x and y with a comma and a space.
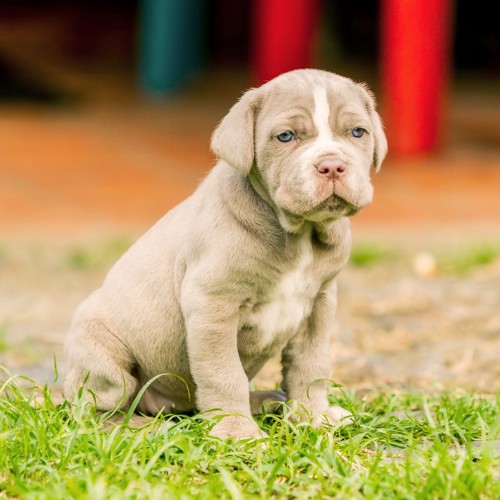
358, 132
285, 136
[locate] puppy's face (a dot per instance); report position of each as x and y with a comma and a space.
314, 138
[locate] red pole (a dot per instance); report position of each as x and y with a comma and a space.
283, 35
415, 64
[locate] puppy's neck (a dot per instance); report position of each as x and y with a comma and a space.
258, 184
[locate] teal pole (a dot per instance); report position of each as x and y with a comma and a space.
170, 43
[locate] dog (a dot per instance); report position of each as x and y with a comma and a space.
243, 269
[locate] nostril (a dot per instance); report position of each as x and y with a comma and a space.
325, 170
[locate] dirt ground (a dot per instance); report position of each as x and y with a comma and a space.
395, 326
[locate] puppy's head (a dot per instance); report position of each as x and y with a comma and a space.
309, 138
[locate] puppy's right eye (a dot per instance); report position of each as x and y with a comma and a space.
358, 132
285, 136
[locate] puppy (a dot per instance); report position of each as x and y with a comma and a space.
244, 268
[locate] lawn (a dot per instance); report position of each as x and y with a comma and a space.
401, 445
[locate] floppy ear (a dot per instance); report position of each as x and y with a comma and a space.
233, 139
380, 147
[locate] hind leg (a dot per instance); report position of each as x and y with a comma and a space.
102, 364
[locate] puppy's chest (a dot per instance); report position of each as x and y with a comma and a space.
288, 303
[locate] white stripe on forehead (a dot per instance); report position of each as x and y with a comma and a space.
324, 144
321, 114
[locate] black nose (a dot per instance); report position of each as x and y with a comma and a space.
332, 168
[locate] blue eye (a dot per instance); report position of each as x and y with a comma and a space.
285, 136
358, 132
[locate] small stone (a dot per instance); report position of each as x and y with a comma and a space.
424, 265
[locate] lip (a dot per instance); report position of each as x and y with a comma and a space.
334, 205
340, 202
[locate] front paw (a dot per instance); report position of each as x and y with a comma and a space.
333, 415
237, 427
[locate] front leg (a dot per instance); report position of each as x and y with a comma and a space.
222, 386
307, 364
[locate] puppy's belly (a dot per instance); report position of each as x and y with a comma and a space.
268, 328
278, 319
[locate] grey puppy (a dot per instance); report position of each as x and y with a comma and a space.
244, 268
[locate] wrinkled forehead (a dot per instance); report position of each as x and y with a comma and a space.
305, 95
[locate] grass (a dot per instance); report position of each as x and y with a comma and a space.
3, 338
470, 258
98, 256
368, 254
456, 261
400, 446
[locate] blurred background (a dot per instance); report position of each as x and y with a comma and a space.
106, 111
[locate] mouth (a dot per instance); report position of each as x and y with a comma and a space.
330, 203
336, 204
332, 208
